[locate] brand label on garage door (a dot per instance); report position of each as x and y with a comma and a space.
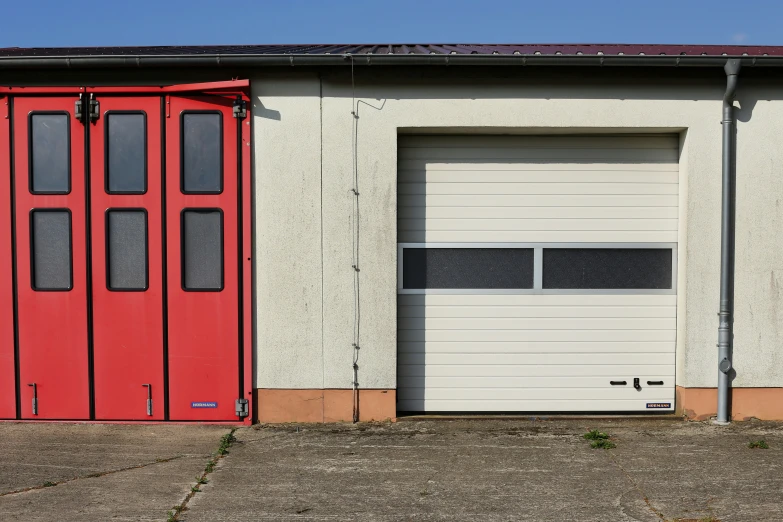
206, 405
659, 404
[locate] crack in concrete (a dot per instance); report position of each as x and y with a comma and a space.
226, 441
91, 475
636, 486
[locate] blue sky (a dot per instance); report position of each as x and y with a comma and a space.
39, 23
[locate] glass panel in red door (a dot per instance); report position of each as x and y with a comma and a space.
127, 259
202, 243
7, 372
51, 259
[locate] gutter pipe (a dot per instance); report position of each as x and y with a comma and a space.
295, 60
725, 313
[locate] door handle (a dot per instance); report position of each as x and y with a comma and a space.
149, 398
35, 397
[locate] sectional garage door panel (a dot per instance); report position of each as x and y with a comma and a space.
540, 349
518, 188
551, 352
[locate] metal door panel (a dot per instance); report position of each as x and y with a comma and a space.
203, 306
7, 371
52, 320
127, 259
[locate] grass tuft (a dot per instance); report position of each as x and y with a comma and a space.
225, 442
758, 444
595, 435
602, 443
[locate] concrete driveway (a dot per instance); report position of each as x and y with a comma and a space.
495, 470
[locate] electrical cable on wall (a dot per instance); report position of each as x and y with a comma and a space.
355, 241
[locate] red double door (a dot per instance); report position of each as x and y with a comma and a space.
126, 281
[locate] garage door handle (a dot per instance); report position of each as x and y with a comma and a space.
618, 383
35, 397
149, 398
654, 383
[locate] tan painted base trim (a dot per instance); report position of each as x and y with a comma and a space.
323, 405
746, 403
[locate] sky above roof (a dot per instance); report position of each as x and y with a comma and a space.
47, 23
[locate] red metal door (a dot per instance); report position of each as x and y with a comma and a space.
127, 259
51, 256
202, 220
7, 371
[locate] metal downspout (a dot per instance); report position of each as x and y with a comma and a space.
725, 313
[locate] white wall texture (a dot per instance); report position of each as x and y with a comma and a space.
303, 167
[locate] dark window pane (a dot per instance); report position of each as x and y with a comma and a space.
202, 153
608, 268
126, 153
126, 243
50, 164
202, 250
51, 250
459, 268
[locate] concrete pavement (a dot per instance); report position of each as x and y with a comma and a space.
92, 472
494, 470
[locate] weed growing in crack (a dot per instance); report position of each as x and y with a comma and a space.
48, 484
602, 443
758, 444
225, 442
599, 439
174, 513
595, 435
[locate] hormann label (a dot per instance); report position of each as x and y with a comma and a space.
659, 404
209, 405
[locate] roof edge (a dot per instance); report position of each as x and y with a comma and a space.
267, 60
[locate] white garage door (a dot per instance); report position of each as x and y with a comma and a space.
537, 274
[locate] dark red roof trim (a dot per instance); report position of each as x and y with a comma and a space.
405, 49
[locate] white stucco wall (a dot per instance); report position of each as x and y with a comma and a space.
287, 176
303, 131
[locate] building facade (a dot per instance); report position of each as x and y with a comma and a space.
366, 232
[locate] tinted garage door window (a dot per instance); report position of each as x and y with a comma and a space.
202, 250
490, 268
50, 163
50, 233
607, 268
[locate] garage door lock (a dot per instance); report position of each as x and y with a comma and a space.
241, 408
